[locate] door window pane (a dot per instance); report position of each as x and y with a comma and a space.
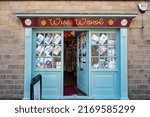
82, 51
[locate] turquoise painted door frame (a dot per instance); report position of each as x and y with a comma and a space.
122, 64
122, 91
28, 63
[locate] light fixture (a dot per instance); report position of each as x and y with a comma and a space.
143, 7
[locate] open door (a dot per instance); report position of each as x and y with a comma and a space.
83, 62
75, 63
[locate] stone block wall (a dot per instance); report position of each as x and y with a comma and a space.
12, 42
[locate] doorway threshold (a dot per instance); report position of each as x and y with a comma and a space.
76, 97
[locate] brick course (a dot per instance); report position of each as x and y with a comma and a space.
12, 42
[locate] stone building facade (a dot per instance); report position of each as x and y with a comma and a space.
12, 42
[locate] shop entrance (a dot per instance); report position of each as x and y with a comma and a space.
100, 69
77, 64
76, 78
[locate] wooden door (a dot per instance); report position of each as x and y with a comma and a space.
83, 63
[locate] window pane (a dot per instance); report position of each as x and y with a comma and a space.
57, 50
102, 50
39, 50
103, 39
57, 63
48, 38
111, 36
95, 50
57, 38
111, 51
40, 38
48, 62
94, 38
48, 45
94, 62
39, 62
111, 39
48, 50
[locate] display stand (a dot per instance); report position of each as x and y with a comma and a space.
36, 88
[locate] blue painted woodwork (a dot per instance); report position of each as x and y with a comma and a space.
76, 14
28, 62
102, 83
105, 82
83, 74
51, 81
96, 83
123, 64
52, 78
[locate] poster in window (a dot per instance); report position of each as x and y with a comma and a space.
40, 38
57, 50
48, 38
48, 50
102, 39
56, 39
94, 39
39, 50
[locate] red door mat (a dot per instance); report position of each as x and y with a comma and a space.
70, 90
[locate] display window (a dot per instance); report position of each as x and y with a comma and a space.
103, 50
48, 50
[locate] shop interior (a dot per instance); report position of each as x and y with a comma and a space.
70, 63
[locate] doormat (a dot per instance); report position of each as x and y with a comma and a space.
70, 90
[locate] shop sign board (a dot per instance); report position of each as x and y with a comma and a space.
84, 22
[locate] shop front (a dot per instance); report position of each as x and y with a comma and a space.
80, 56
